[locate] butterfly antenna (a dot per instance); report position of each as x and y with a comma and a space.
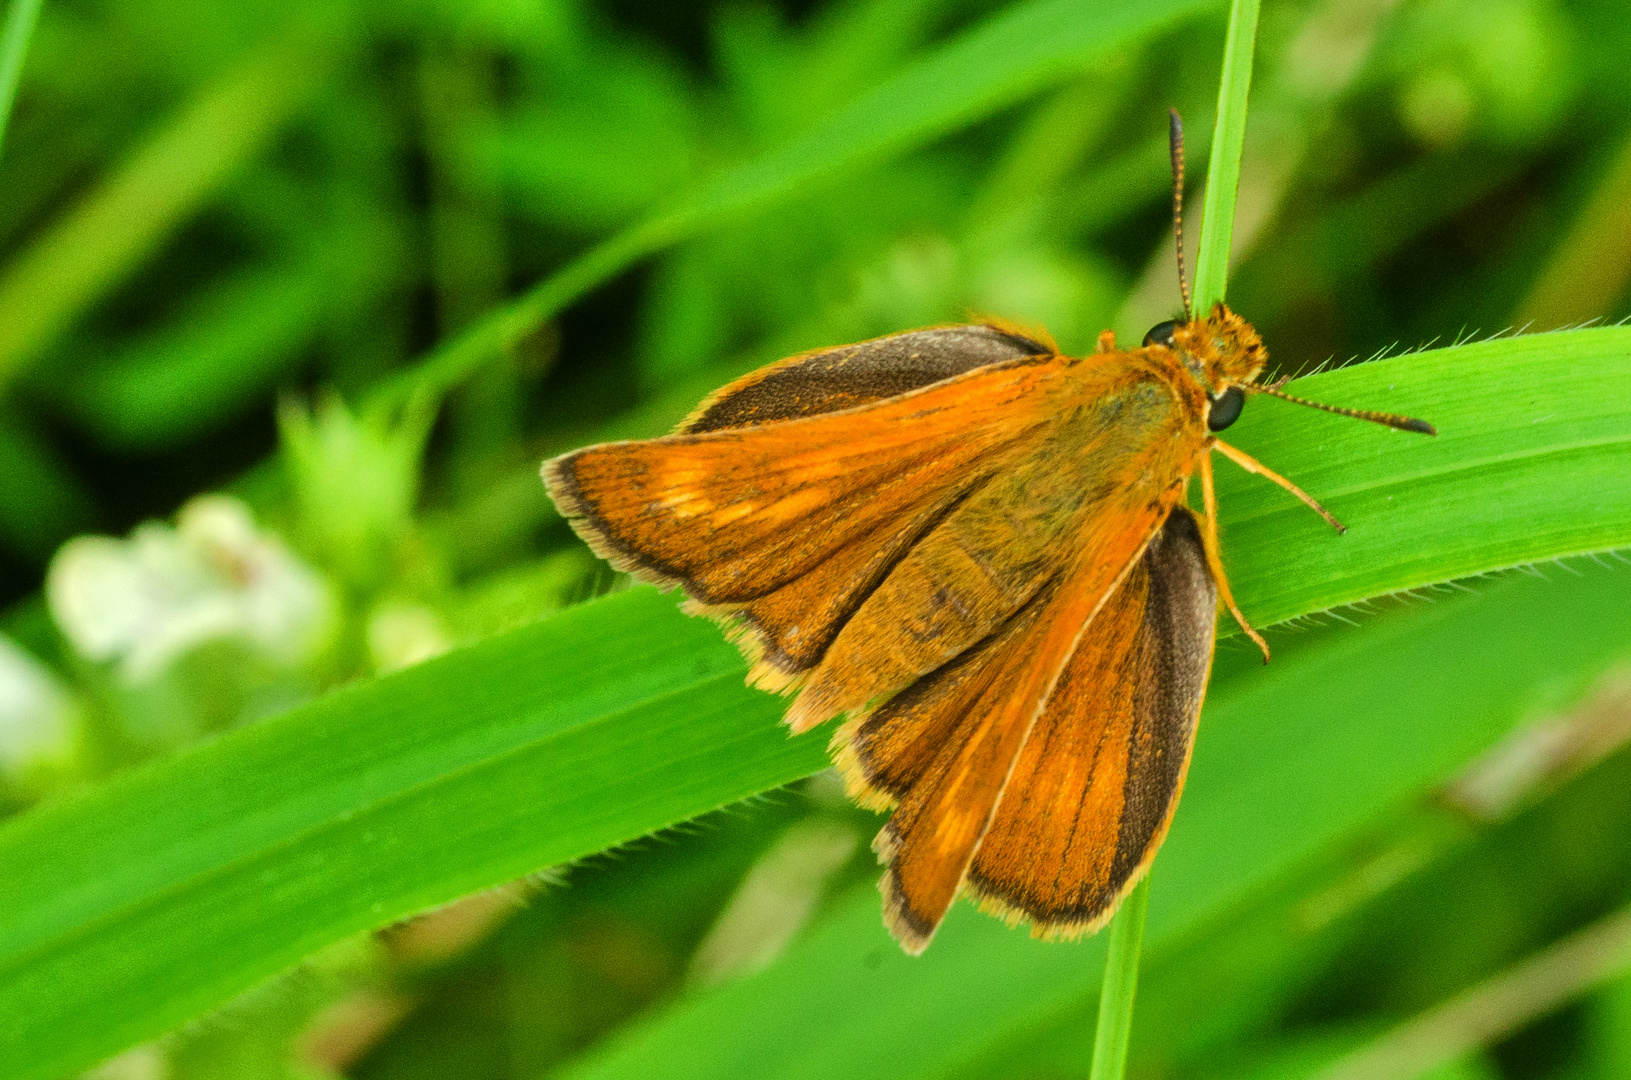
1175, 140
1403, 423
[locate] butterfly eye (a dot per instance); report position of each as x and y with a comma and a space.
1225, 408
1161, 333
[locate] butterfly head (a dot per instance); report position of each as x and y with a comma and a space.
1222, 352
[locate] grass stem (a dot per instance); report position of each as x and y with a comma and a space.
1120, 984
1211, 273
1223, 168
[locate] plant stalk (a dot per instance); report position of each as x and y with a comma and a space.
1120, 984
1211, 272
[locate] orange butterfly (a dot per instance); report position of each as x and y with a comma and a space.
978, 551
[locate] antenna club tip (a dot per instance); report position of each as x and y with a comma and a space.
1420, 426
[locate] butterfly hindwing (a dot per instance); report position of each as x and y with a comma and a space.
1093, 790
944, 748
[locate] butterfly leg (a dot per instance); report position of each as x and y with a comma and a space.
1209, 541
1252, 465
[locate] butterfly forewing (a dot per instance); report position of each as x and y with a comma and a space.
788, 526
796, 624
734, 514
828, 380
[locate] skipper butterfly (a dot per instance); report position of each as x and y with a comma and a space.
979, 553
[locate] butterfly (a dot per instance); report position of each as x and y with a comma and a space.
978, 552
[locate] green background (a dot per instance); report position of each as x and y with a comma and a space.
364, 266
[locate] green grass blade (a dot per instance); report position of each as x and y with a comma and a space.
1015, 53
21, 15
845, 1002
1520, 420
1455, 1030
1223, 166
368, 805
622, 717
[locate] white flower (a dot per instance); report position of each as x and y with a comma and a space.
142, 602
38, 719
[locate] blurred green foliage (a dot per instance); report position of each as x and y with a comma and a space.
361, 266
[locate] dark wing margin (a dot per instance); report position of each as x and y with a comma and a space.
1095, 787
828, 380
1180, 625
